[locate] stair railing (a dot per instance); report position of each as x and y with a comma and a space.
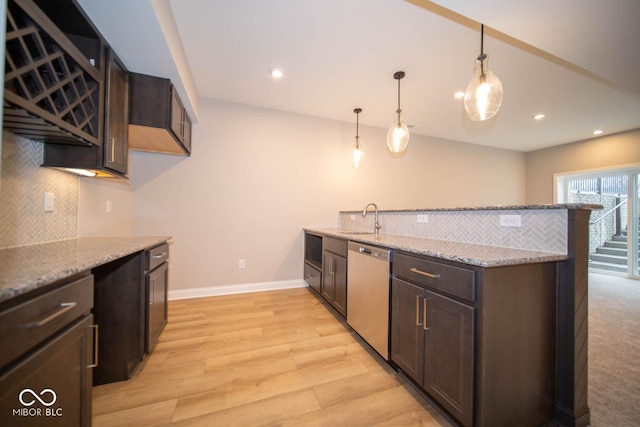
597, 238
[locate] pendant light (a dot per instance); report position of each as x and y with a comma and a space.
398, 135
358, 152
483, 96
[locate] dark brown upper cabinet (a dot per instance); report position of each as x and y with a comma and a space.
54, 72
110, 159
158, 121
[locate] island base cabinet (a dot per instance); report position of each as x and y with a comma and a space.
60, 372
448, 354
432, 343
334, 281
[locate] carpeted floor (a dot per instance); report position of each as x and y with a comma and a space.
614, 351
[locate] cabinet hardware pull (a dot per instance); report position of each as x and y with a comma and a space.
310, 276
112, 141
64, 307
160, 255
424, 319
418, 311
424, 273
95, 346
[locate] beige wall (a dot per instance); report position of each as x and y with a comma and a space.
605, 152
257, 177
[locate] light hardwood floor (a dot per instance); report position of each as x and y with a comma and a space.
270, 358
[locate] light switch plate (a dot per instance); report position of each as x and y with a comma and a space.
511, 220
48, 202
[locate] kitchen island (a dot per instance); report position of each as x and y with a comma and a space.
488, 307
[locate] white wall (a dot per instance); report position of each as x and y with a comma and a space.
257, 177
93, 196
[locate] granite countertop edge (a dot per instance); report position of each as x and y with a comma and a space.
26, 268
465, 253
495, 208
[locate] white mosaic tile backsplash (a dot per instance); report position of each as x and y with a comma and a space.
22, 217
541, 229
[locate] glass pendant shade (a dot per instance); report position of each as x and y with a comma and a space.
483, 96
398, 135
358, 154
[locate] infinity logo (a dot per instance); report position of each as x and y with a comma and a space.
37, 397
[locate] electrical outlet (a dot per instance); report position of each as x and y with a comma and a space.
353, 217
423, 218
511, 220
48, 202
240, 263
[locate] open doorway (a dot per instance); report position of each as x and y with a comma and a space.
612, 248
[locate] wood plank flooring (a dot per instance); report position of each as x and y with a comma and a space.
269, 358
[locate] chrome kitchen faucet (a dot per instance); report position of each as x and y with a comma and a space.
376, 226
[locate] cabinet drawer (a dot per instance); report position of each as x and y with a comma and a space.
313, 277
156, 256
25, 326
446, 278
337, 246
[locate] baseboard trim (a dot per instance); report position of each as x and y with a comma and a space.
244, 288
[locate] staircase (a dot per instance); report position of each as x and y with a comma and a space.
611, 256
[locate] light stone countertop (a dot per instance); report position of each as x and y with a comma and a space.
466, 253
495, 208
26, 268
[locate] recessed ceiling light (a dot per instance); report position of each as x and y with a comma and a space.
598, 132
276, 73
539, 116
458, 95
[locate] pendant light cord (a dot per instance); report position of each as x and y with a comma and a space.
482, 56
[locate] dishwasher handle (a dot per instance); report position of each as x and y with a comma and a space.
382, 254
364, 250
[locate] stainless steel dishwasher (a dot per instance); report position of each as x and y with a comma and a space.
368, 294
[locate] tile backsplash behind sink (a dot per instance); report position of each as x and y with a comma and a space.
23, 220
541, 229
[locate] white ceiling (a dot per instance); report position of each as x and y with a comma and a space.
577, 61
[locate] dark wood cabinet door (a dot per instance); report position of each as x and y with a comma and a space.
407, 334
117, 118
448, 350
186, 136
328, 276
176, 121
156, 284
61, 366
339, 301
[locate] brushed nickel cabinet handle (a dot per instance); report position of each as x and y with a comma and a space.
112, 141
424, 273
95, 346
424, 319
160, 255
64, 307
